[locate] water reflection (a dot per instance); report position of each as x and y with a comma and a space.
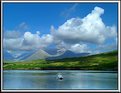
47, 79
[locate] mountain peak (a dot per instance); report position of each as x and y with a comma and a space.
68, 54
39, 54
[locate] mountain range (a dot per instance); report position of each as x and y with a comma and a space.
44, 54
68, 54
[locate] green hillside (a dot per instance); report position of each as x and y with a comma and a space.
103, 61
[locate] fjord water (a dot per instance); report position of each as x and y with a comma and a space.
47, 79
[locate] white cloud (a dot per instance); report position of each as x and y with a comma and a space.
75, 35
12, 44
66, 13
28, 41
22, 28
90, 29
79, 48
12, 34
38, 32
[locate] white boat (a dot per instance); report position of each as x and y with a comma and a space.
60, 76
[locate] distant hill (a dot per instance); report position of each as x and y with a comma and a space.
51, 51
51, 55
48, 54
104, 61
39, 54
68, 54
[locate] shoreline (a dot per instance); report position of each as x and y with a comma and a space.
67, 69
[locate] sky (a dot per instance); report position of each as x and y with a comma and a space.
78, 27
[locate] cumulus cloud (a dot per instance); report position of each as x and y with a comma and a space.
79, 48
26, 42
75, 34
12, 44
89, 29
12, 34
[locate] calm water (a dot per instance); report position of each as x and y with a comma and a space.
47, 79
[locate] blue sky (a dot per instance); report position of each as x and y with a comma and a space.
42, 16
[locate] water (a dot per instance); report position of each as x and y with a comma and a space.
47, 79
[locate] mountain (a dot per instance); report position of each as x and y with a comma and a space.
39, 54
51, 51
103, 61
68, 54
48, 54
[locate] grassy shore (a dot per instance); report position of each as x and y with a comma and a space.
104, 61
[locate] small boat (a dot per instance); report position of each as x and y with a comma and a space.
60, 76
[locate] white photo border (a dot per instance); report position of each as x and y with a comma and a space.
71, 1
